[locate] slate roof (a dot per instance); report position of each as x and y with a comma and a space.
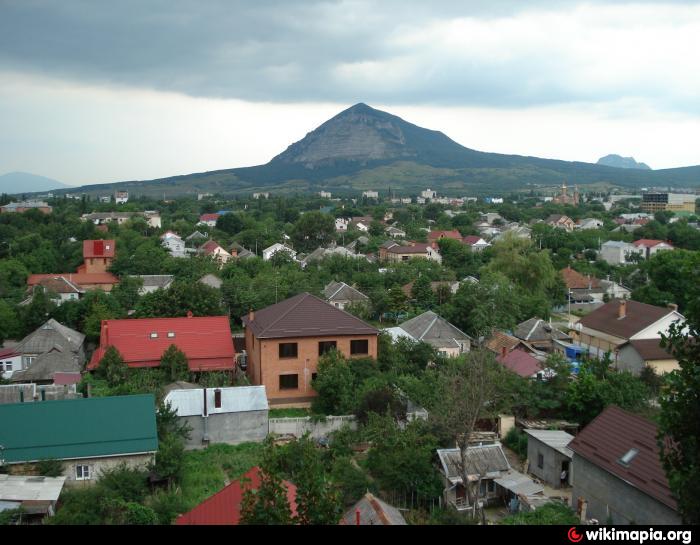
305, 315
484, 460
155, 280
59, 284
224, 507
611, 435
340, 291
206, 341
638, 316
57, 360
434, 330
78, 428
50, 334
556, 439
535, 329
373, 512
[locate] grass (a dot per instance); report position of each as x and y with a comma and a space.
207, 470
289, 413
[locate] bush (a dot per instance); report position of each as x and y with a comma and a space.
352, 481
167, 506
550, 513
50, 468
516, 441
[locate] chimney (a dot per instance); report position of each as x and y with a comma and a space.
357, 517
504, 351
189, 314
251, 315
672, 306
622, 309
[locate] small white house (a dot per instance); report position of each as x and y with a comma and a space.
277, 247
174, 244
121, 197
341, 224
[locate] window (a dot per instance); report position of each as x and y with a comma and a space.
325, 346
289, 382
82, 473
288, 350
313, 376
359, 347
626, 460
217, 399
540, 461
171, 334
8, 366
491, 486
154, 335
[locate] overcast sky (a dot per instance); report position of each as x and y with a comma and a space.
95, 91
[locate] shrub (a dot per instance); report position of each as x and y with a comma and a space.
516, 441
50, 468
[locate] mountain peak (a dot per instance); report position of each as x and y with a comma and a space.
618, 161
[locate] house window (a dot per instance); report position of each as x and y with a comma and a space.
154, 335
313, 376
82, 473
217, 399
288, 350
491, 486
8, 366
325, 346
360, 346
171, 334
289, 382
540, 461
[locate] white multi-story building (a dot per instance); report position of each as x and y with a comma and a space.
370, 194
121, 197
428, 194
174, 244
324, 194
617, 252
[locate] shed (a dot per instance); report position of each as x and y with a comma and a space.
549, 455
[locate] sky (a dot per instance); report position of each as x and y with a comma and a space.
98, 91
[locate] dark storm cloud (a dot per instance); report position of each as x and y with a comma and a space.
284, 51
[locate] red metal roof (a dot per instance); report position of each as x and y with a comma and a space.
611, 435
224, 507
98, 248
76, 278
209, 217
520, 362
436, 235
206, 341
8, 353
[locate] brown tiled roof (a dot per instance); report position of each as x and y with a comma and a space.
613, 434
500, 340
638, 316
575, 280
415, 248
305, 316
651, 349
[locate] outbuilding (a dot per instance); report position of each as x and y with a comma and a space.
550, 456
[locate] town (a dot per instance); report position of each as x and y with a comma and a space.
350, 357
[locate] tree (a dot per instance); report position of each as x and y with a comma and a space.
313, 229
112, 368
182, 297
422, 292
9, 324
175, 363
469, 389
335, 385
229, 223
679, 425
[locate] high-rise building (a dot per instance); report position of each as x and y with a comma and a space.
672, 202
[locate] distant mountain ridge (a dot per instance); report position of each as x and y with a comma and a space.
618, 161
364, 148
24, 182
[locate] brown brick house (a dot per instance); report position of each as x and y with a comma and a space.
284, 342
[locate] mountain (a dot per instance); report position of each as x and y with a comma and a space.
618, 161
24, 182
363, 148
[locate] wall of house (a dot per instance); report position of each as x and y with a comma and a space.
266, 366
610, 497
661, 326
550, 472
230, 428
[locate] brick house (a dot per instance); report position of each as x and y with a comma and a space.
284, 342
206, 341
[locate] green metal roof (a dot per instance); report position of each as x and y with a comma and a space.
78, 428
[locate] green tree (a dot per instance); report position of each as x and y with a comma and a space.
112, 368
230, 223
422, 292
335, 385
175, 363
313, 229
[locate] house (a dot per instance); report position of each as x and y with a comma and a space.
61, 345
489, 474
476, 243
221, 415
98, 256
152, 217
325, 194
619, 253
370, 194
212, 281
635, 356
607, 328
240, 252
582, 288
224, 507
650, 247
35, 496
277, 247
499, 340
615, 290
589, 223
206, 341
88, 435
10, 361
491, 217
208, 219
522, 363
549, 455
617, 473
435, 331
395, 232
539, 334
214, 250
154, 282
261, 195
391, 251
58, 288
23, 206
341, 224
196, 238
434, 236
284, 342
121, 197
340, 295
43, 370
361, 223
560, 221
371, 511
174, 244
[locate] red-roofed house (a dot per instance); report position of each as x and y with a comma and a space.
476, 243
650, 246
206, 341
214, 250
224, 507
521, 363
98, 256
434, 236
208, 219
618, 473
